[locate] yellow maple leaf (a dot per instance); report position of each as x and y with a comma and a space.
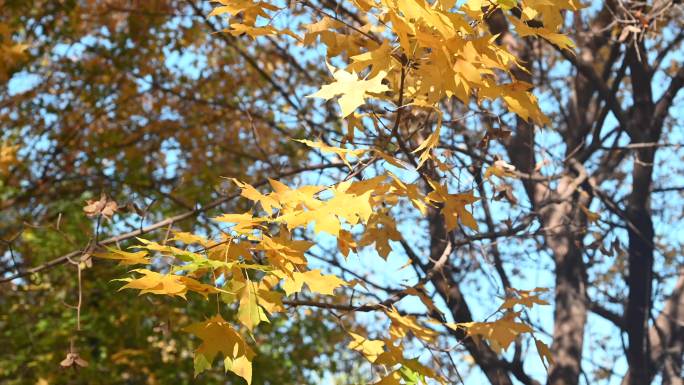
346, 243
558, 39
411, 191
124, 257
219, 337
425, 148
268, 203
280, 250
293, 198
500, 333
454, 206
353, 90
380, 58
380, 230
317, 282
527, 298
370, 349
346, 204
250, 313
343, 153
544, 353
243, 223
403, 324
155, 283
501, 169
200, 288
249, 9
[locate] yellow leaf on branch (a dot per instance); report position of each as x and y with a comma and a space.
353, 91
124, 257
317, 282
454, 206
219, 337
370, 349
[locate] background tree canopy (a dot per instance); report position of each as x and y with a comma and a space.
353, 192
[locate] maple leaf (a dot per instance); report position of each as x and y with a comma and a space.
454, 206
380, 230
166, 284
560, 40
190, 238
544, 353
348, 204
250, 9
518, 100
243, 223
317, 282
345, 204
184, 255
380, 59
155, 283
501, 169
370, 349
343, 153
219, 337
392, 160
268, 203
429, 143
319, 28
353, 90
293, 198
500, 333
393, 356
402, 325
238, 29
346, 243
527, 298
200, 288
250, 313
269, 299
124, 257
411, 191
281, 249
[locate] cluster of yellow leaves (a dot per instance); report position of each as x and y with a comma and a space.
257, 262
251, 12
389, 352
453, 53
425, 51
410, 53
502, 332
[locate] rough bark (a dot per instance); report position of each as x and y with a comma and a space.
640, 227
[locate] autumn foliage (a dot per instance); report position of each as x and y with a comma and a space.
314, 191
